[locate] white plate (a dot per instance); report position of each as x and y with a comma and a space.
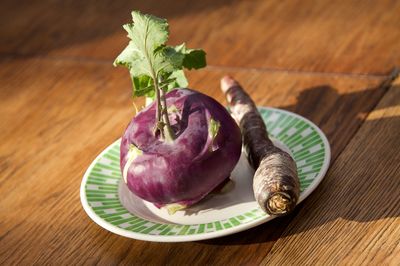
111, 205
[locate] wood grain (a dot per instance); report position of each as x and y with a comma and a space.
353, 217
329, 36
56, 115
62, 103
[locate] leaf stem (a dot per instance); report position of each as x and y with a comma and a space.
169, 133
162, 119
158, 125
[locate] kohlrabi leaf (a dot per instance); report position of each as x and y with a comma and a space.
151, 63
128, 57
143, 86
180, 80
194, 58
142, 55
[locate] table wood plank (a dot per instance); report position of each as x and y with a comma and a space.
57, 115
354, 216
330, 36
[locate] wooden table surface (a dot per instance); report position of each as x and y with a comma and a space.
62, 102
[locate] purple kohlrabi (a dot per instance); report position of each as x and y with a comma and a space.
182, 171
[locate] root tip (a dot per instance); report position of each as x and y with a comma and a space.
280, 203
227, 82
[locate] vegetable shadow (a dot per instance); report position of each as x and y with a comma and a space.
30, 28
337, 196
238, 191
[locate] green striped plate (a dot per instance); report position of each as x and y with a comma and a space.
110, 204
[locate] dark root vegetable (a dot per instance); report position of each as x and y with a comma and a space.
275, 184
179, 173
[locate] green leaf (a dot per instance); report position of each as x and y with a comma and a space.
147, 33
151, 61
142, 86
180, 80
168, 60
194, 58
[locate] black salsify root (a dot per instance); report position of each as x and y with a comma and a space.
275, 184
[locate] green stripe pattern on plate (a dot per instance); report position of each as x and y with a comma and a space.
101, 188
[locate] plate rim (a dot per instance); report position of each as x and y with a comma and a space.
206, 235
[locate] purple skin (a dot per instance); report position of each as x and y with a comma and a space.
185, 170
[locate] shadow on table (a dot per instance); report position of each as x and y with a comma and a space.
30, 28
361, 196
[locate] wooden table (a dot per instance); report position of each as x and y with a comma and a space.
62, 103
